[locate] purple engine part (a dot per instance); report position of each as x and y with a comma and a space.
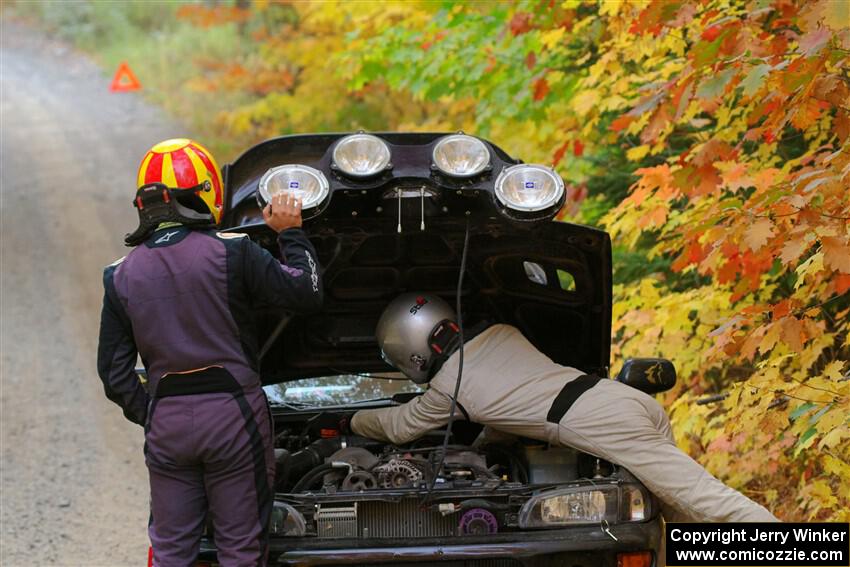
478, 521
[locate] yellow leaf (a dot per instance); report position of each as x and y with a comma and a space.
832, 419
823, 492
610, 7
836, 467
770, 495
635, 154
811, 266
836, 14
834, 437
585, 101
833, 370
552, 37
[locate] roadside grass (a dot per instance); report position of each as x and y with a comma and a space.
173, 59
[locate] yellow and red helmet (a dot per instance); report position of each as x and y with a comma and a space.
181, 163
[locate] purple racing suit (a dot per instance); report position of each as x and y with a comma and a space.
184, 300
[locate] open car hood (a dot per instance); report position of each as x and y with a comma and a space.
551, 280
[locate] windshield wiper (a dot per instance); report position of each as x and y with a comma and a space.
292, 405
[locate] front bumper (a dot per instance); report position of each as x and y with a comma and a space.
585, 546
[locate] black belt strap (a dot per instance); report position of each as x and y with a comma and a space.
568, 396
212, 380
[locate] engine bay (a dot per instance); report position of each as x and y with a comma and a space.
345, 486
357, 464
333, 463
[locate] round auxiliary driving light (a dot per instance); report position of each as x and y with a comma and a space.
361, 155
460, 155
308, 184
528, 187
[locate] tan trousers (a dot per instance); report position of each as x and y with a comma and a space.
625, 426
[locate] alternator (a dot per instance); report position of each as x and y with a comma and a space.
397, 473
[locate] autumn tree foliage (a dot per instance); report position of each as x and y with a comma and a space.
709, 137
730, 120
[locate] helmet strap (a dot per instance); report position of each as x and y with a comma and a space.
157, 203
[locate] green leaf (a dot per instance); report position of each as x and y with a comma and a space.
755, 78
802, 410
714, 86
810, 432
814, 419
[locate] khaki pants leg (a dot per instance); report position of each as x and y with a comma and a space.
627, 427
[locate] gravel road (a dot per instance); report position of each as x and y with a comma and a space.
74, 484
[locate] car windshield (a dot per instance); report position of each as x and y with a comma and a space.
338, 390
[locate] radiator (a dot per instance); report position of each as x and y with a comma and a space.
383, 520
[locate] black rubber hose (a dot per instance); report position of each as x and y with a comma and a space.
312, 456
311, 477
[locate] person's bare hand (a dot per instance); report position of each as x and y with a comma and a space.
284, 211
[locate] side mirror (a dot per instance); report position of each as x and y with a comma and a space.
650, 375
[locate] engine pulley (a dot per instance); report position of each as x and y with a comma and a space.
359, 481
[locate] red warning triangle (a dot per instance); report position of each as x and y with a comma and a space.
124, 80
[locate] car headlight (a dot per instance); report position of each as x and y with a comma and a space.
586, 505
569, 506
286, 521
460, 155
308, 184
361, 155
528, 187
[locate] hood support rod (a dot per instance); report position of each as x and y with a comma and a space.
284, 321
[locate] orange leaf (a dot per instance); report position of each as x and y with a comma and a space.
793, 249
541, 88
559, 153
782, 309
808, 111
656, 217
520, 23
712, 151
622, 122
578, 148
735, 177
659, 120
841, 125
836, 254
728, 271
792, 333
758, 233
710, 34
842, 283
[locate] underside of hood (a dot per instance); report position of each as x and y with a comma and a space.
551, 280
